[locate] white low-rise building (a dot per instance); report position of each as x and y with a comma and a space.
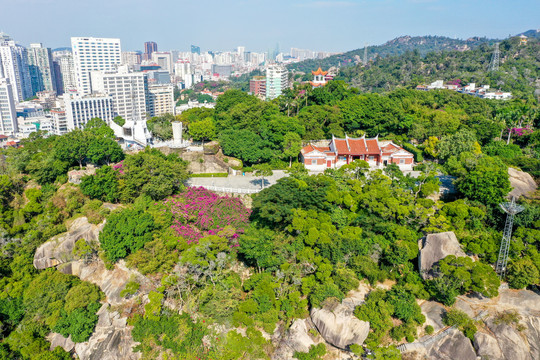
81, 109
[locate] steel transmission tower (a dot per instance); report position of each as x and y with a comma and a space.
511, 208
494, 65
365, 54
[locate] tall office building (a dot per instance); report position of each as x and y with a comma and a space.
81, 109
41, 67
160, 100
276, 81
127, 89
93, 54
58, 78
164, 60
14, 66
195, 49
67, 70
149, 48
8, 114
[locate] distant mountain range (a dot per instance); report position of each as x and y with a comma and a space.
397, 46
519, 68
531, 33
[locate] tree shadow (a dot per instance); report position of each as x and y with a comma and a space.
258, 182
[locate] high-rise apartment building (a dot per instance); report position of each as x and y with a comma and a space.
59, 121
149, 48
8, 114
160, 100
131, 58
276, 81
14, 66
182, 69
67, 70
58, 78
257, 86
40, 63
127, 89
195, 49
81, 109
93, 54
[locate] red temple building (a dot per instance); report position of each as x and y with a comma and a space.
338, 152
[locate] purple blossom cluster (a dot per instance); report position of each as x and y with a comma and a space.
119, 167
198, 212
522, 131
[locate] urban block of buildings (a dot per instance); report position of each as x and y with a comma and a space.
61, 90
470, 89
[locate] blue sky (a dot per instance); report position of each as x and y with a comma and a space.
339, 25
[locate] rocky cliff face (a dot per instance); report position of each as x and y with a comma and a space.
339, 327
111, 339
334, 324
522, 183
59, 249
497, 337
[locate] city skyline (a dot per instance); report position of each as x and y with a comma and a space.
335, 26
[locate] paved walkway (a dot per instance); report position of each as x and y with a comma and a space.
240, 182
249, 181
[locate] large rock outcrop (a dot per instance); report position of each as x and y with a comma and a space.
339, 327
112, 337
522, 183
434, 312
435, 247
110, 341
335, 325
510, 341
454, 346
518, 339
59, 249
57, 339
500, 337
111, 282
297, 338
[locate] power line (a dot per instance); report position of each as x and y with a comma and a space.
494, 65
365, 54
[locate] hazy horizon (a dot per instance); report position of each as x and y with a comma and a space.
334, 26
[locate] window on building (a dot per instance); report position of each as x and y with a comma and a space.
372, 158
313, 162
402, 161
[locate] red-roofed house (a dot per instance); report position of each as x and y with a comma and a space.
342, 151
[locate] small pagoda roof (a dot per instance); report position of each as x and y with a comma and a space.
319, 72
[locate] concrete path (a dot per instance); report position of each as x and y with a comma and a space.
240, 182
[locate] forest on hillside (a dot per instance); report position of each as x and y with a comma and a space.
518, 72
216, 266
395, 47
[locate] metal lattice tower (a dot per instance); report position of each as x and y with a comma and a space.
365, 54
511, 208
494, 65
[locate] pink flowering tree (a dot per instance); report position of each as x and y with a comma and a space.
198, 212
